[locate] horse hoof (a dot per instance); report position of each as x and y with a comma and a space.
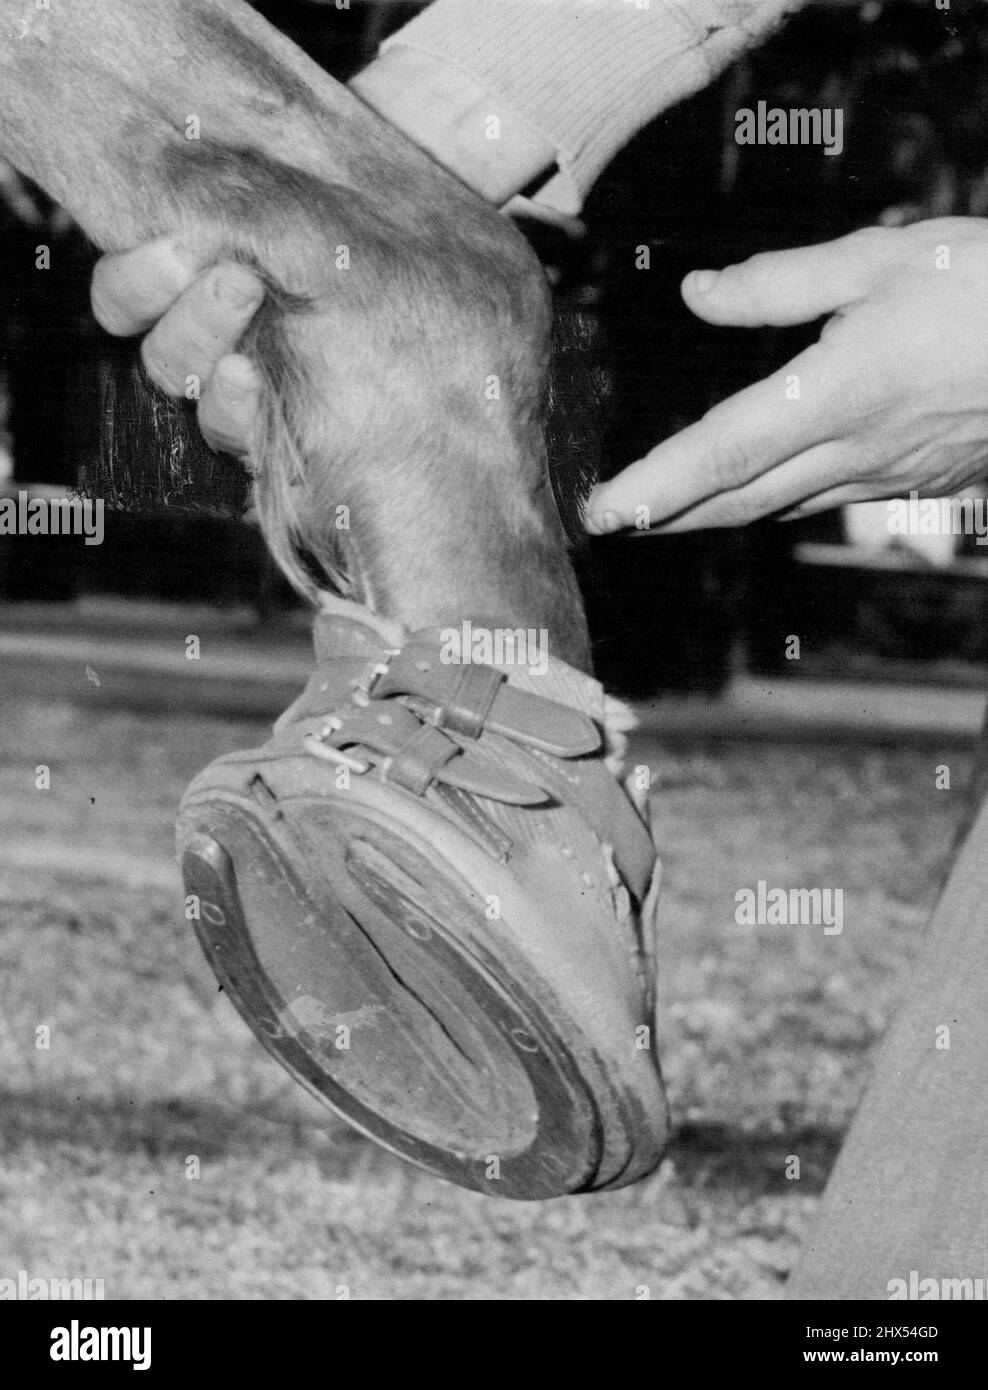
436, 967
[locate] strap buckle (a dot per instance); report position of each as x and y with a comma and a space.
467, 698
412, 754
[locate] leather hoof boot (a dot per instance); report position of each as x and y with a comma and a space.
425, 895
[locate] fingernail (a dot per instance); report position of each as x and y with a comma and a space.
703, 281
240, 288
601, 523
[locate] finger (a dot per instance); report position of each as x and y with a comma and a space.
793, 484
787, 287
204, 324
827, 501
131, 290
833, 497
734, 443
230, 405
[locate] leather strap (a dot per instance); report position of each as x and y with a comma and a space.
426, 723
414, 755
469, 697
605, 806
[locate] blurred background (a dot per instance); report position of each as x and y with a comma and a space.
672, 614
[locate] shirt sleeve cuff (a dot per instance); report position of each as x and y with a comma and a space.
588, 74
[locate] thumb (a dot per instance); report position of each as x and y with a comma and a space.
786, 287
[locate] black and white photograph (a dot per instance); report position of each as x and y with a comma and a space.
494, 666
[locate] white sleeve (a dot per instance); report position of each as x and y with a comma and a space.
589, 74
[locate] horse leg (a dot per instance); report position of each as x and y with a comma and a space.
468, 902
405, 338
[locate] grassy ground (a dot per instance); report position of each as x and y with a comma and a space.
767, 1033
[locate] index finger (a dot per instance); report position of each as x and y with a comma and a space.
735, 442
796, 285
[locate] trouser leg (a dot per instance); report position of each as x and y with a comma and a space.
910, 1189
